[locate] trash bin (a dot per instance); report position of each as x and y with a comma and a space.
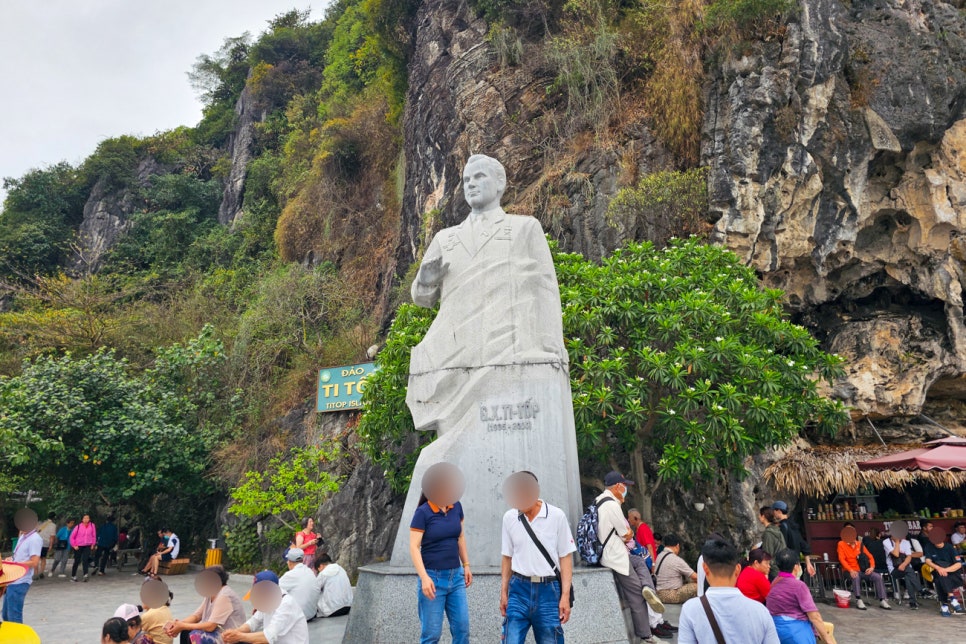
213, 557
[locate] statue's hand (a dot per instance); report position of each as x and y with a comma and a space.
432, 271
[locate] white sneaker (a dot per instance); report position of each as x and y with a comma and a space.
884, 605
653, 601
905, 596
860, 604
61, 576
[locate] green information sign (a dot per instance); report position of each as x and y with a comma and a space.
340, 388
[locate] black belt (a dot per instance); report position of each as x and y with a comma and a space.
534, 579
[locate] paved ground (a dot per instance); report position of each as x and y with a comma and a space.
63, 612
67, 613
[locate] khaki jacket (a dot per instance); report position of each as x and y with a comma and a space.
611, 517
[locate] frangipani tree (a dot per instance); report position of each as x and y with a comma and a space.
682, 352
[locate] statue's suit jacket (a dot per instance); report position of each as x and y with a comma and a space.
499, 305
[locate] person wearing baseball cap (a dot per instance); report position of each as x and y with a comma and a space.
793, 536
130, 614
278, 618
10, 632
635, 587
300, 583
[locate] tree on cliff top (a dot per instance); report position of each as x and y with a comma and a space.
677, 352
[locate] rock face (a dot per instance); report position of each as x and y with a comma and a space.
240, 148
838, 170
107, 215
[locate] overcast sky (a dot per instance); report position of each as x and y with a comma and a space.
75, 72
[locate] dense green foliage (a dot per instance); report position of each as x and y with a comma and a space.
290, 489
91, 427
388, 436
662, 205
678, 351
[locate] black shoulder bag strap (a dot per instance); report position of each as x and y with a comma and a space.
659, 564
546, 555
718, 635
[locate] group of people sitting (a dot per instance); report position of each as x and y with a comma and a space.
283, 607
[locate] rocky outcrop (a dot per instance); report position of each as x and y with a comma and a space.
838, 170
461, 101
107, 215
240, 148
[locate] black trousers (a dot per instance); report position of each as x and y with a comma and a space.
946, 585
81, 556
102, 557
911, 577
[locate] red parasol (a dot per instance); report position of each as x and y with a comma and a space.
946, 454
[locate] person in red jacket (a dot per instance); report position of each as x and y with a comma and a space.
753, 580
642, 533
850, 550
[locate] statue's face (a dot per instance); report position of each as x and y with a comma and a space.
481, 187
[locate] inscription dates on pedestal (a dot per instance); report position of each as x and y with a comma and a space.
502, 417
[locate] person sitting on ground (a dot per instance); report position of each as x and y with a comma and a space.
857, 561
957, 538
772, 540
790, 604
300, 583
676, 581
873, 543
278, 618
740, 620
115, 631
156, 601
753, 580
947, 573
335, 589
169, 553
220, 610
899, 562
130, 614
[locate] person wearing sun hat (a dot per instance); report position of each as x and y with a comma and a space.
10, 632
278, 618
132, 615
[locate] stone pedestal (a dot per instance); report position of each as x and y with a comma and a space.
384, 608
520, 418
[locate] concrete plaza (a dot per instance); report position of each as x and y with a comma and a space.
63, 612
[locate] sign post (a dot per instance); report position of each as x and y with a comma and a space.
340, 388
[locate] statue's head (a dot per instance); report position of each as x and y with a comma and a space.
484, 181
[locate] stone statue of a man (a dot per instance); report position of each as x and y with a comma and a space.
499, 303
491, 376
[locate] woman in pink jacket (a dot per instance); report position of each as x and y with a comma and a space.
82, 539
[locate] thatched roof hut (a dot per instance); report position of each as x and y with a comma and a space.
821, 471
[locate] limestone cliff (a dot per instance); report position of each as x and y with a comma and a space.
838, 170
240, 149
837, 156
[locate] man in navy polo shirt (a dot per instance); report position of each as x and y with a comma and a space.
531, 595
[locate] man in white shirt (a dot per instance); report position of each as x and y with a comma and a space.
530, 594
300, 583
899, 562
333, 583
740, 619
959, 534
27, 552
614, 533
278, 619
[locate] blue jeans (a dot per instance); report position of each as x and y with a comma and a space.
451, 601
532, 605
13, 602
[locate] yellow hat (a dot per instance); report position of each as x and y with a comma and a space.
11, 572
